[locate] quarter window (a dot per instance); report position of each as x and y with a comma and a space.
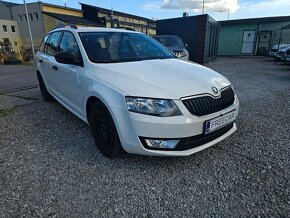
53, 43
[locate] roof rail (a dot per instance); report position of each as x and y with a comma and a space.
62, 25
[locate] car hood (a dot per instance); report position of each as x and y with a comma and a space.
167, 78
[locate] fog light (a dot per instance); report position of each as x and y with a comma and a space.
169, 144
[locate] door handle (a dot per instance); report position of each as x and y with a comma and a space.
40, 61
55, 67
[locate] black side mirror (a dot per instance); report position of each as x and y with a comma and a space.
68, 58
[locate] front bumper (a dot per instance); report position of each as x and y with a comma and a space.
133, 127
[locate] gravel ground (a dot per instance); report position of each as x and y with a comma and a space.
49, 166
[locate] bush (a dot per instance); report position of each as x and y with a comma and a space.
12, 59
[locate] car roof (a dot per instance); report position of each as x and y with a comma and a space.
94, 29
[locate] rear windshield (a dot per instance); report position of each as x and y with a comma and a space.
113, 47
170, 41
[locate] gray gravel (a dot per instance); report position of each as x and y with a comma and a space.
49, 166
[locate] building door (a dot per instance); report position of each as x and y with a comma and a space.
264, 43
248, 42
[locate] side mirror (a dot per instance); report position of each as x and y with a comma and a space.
68, 58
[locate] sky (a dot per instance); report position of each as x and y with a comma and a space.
161, 9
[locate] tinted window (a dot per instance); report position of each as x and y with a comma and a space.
69, 44
42, 45
53, 43
170, 41
108, 47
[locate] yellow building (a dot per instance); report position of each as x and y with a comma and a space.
110, 18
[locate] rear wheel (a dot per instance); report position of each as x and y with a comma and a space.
104, 131
45, 94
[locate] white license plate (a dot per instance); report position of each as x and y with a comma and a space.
219, 122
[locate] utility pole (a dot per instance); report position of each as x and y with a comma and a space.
29, 30
202, 6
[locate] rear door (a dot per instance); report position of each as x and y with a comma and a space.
49, 61
69, 77
249, 37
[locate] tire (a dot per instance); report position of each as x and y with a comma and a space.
104, 130
44, 92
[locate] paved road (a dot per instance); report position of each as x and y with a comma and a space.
17, 76
50, 167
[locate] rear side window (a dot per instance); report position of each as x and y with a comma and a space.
42, 45
52, 43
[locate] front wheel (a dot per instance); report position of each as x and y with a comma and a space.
104, 131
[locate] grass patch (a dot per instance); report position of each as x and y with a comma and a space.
7, 111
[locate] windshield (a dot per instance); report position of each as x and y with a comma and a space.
170, 41
113, 47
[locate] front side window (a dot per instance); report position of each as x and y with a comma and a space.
4, 28
69, 44
112, 47
53, 43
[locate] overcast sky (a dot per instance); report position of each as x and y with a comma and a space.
160, 9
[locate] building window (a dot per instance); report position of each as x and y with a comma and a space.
20, 18
30, 17
5, 28
25, 18
13, 29
36, 16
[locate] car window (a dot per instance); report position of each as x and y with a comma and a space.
42, 45
69, 44
110, 47
53, 43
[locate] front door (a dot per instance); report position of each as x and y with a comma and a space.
264, 43
248, 42
69, 76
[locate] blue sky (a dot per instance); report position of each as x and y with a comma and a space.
160, 9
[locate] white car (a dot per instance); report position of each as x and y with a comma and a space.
287, 55
134, 93
278, 51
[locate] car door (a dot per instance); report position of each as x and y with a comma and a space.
42, 61
49, 63
69, 76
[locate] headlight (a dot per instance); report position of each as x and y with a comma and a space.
154, 107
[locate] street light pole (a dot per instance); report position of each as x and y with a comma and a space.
29, 30
202, 6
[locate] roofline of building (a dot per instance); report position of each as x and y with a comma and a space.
255, 20
54, 15
9, 3
118, 13
60, 6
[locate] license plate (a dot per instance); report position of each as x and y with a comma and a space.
219, 122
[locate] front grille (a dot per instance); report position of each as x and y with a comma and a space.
193, 141
205, 105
